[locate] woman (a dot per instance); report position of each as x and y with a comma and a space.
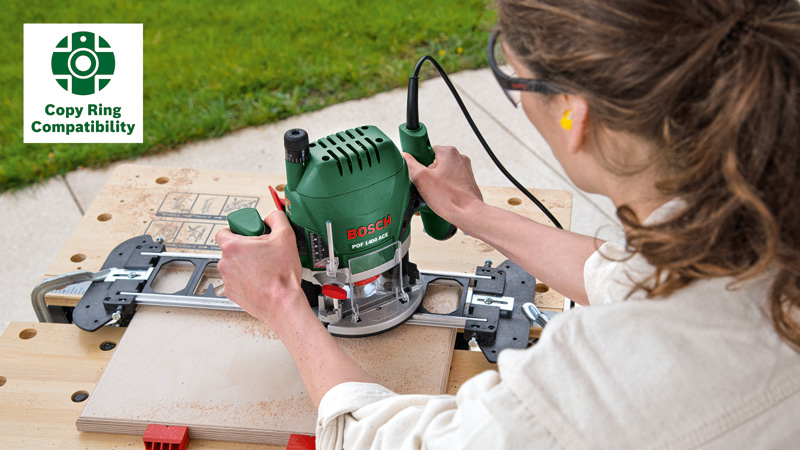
686, 114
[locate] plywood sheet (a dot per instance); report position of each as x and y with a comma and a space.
227, 377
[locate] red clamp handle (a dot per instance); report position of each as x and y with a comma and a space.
301, 442
166, 437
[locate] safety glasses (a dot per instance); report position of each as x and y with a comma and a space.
505, 75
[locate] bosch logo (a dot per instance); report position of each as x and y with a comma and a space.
369, 229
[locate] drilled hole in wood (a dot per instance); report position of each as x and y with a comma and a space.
514, 201
27, 333
78, 257
107, 345
3, 381
104, 217
80, 396
162, 180
280, 187
542, 288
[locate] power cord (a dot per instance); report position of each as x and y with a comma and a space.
412, 123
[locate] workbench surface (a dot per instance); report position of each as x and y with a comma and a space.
44, 365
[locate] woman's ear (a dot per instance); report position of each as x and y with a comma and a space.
575, 121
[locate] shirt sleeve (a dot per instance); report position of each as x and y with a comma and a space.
505, 409
484, 414
601, 270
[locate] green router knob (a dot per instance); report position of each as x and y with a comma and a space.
247, 222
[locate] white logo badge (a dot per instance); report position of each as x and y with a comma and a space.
83, 83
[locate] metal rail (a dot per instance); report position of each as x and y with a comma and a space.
199, 302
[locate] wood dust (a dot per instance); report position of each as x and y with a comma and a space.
442, 297
240, 323
295, 410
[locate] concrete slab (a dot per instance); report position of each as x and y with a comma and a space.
38, 221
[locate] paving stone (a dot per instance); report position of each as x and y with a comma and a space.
38, 221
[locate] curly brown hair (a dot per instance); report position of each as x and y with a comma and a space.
715, 86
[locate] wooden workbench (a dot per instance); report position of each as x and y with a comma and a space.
44, 366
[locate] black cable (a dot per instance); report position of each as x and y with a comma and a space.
412, 113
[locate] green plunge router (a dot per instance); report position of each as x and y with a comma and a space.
350, 202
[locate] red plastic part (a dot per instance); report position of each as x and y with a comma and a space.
367, 281
334, 291
166, 437
301, 442
279, 204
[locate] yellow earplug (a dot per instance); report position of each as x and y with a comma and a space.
566, 122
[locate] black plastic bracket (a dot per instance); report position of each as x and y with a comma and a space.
513, 327
499, 328
104, 300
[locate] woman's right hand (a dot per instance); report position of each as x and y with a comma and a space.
447, 185
262, 273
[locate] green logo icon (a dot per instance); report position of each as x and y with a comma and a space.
84, 66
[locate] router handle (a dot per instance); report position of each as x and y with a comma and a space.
247, 222
417, 144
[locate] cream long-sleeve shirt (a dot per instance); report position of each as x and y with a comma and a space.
702, 368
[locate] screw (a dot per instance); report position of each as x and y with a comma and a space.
487, 263
472, 343
160, 240
132, 274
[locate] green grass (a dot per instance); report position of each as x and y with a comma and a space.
211, 67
